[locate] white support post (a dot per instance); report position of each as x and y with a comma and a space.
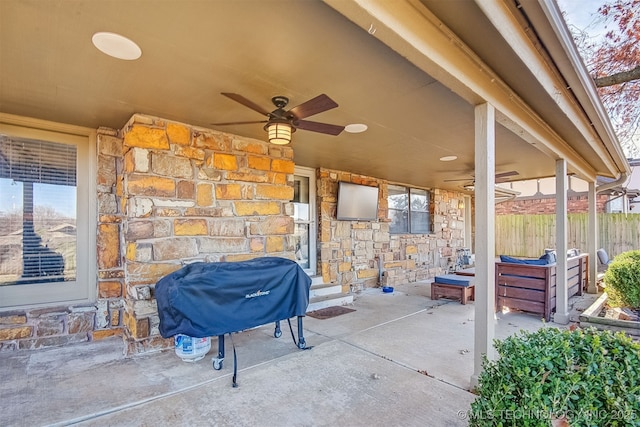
562, 296
485, 237
593, 240
468, 228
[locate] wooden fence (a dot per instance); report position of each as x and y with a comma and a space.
529, 235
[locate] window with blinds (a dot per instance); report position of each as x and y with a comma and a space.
38, 198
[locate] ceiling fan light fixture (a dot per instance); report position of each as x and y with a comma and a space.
279, 132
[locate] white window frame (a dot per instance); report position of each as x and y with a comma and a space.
313, 221
84, 288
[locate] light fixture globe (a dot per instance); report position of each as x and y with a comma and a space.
279, 131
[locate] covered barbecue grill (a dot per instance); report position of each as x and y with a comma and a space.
214, 299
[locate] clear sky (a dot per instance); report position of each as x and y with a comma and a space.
584, 15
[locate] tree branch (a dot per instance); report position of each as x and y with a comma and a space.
617, 78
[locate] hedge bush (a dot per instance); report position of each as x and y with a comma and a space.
588, 377
622, 280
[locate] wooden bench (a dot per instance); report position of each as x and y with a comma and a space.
532, 288
452, 286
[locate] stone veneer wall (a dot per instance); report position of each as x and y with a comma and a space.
168, 194
192, 194
351, 252
46, 327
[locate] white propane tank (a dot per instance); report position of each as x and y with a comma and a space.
191, 349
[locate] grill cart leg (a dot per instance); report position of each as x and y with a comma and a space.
217, 361
301, 342
277, 333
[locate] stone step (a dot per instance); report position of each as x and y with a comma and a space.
324, 289
316, 280
331, 300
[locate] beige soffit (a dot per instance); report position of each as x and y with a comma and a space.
517, 33
583, 85
412, 30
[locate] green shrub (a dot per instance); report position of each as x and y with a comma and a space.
589, 377
622, 280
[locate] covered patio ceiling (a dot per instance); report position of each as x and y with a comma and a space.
194, 50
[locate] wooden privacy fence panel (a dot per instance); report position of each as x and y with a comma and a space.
530, 235
620, 233
524, 235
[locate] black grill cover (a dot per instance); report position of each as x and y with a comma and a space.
210, 299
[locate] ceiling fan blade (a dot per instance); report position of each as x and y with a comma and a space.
501, 180
239, 123
499, 177
319, 127
459, 179
503, 177
506, 174
244, 101
313, 106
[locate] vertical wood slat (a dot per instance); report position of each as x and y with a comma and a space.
529, 235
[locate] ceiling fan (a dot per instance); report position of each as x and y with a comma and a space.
499, 177
280, 124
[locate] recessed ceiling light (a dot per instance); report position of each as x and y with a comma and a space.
448, 158
356, 128
116, 46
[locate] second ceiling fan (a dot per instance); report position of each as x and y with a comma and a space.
281, 123
499, 177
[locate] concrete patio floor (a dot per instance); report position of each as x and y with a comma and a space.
398, 359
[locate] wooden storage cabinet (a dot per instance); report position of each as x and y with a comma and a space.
532, 288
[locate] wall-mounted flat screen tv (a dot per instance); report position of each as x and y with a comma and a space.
357, 202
